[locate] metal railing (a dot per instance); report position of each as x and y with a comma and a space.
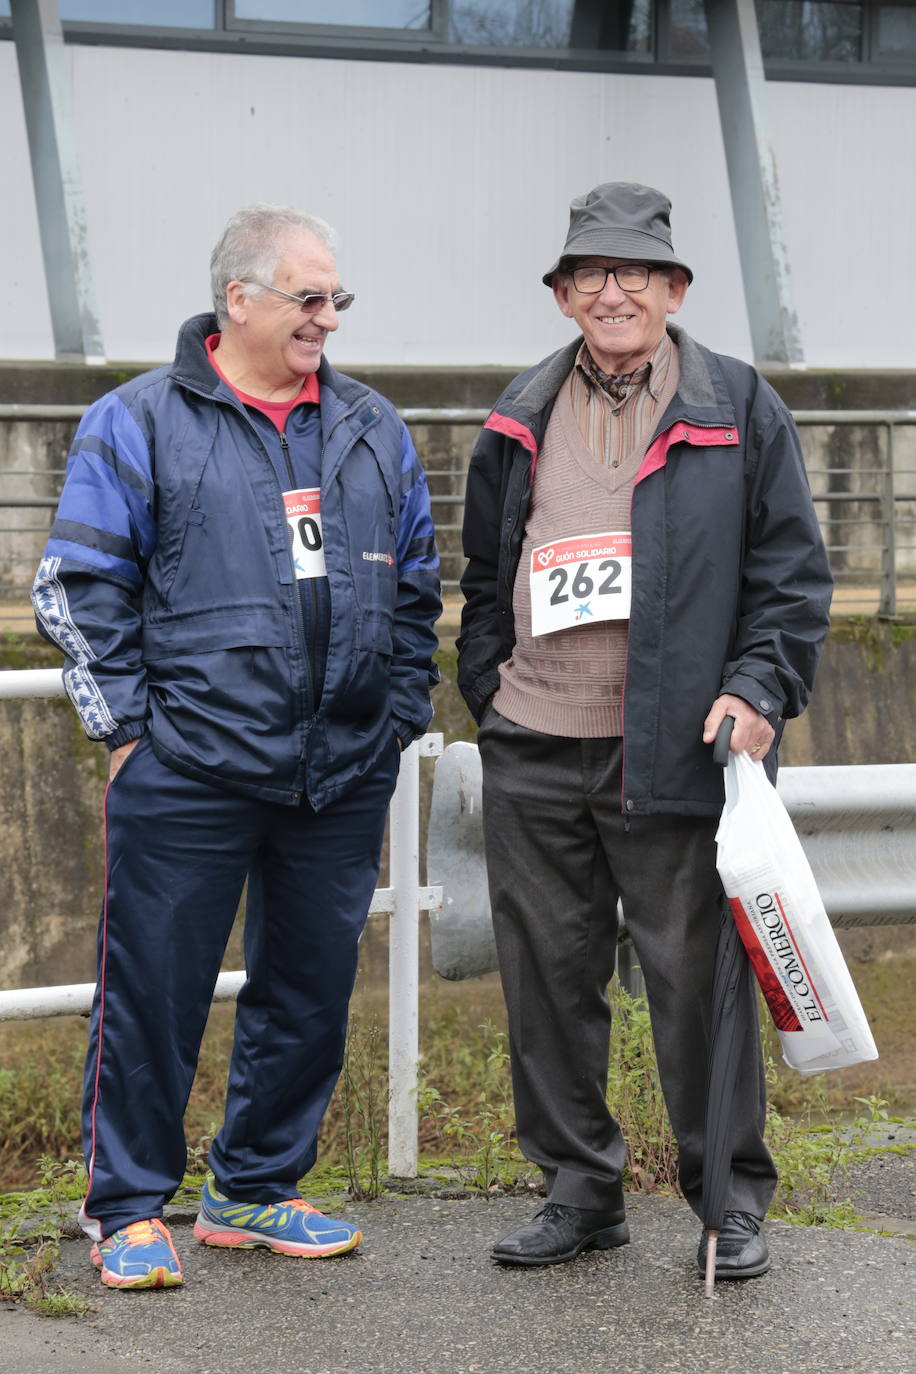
402, 902
889, 497
857, 825
867, 510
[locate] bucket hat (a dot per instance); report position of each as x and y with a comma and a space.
620, 219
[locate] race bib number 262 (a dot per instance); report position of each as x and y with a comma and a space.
581, 580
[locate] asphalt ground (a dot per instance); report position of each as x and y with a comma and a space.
421, 1295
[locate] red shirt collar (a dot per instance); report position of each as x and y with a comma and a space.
310, 389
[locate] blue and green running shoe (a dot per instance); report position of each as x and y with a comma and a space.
140, 1255
293, 1227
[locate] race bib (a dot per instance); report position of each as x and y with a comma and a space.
581, 580
303, 517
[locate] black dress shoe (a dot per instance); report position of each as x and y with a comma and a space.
559, 1233
741, 1250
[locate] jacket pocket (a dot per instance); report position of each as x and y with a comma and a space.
375, 632
367, 686
219, 627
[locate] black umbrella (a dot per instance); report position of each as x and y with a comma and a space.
733, 993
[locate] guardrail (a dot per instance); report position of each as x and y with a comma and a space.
857, 825
402, 902
867, 510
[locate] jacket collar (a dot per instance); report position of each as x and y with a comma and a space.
529, 399
192, 367
701, 398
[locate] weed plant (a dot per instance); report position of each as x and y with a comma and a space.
363, 1102
813, 1155
32, 1226
478, 1130
480, 1135
636, 1100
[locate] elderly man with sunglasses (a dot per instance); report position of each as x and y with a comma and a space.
243, 578
643, 561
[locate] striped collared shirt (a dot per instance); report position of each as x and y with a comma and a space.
614, 414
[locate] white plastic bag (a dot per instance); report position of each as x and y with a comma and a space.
784, 927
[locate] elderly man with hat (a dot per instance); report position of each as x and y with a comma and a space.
643, 561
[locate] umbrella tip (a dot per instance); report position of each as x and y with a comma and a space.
709, 1286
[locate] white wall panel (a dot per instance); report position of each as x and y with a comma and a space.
25, 321
449, 187
846, 158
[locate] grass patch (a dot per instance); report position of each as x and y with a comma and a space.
39, 1095
883, 982
815, 1128
477, 1132
32, 1226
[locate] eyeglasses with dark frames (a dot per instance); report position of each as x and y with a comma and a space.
312, 301
629, 276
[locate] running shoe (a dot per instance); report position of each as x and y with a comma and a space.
293, 1227
140, 1255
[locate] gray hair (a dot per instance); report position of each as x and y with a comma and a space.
251, 245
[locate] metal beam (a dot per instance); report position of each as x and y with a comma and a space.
737, 63
47, 103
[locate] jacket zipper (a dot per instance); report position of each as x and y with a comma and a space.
693, 424
239, 409
311, 644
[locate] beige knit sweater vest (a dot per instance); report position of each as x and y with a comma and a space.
570, 682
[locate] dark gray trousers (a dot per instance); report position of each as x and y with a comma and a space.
559, 855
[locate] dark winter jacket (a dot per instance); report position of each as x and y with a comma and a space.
731, 587
168, 583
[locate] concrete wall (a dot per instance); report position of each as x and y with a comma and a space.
449, 186
33, 455
51, 788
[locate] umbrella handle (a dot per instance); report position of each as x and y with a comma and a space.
712, 1238
720, 750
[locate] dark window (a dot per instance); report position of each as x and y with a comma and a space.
840, 40
790, 30
896, 37
688, 38
810, 30
619, 26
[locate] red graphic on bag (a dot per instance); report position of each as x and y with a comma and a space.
781, 1009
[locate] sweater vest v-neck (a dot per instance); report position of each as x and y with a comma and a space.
570, 682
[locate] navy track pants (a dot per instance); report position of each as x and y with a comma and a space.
178, 852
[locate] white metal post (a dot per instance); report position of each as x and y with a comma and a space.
403, 969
